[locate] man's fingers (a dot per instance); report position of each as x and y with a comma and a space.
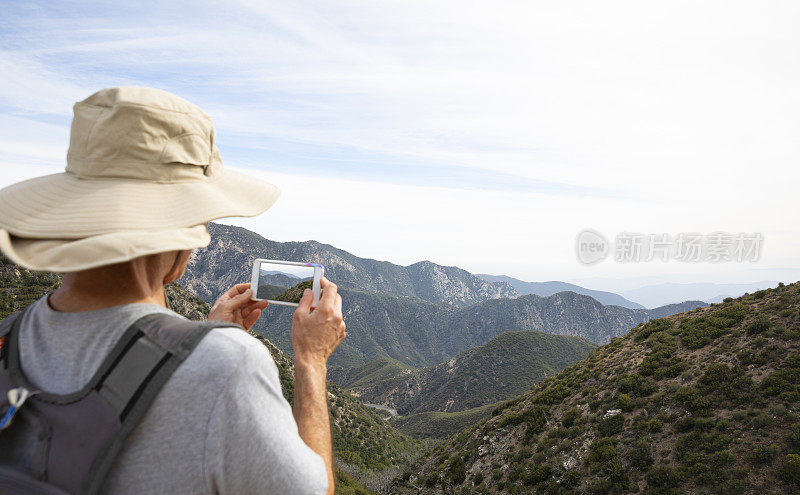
305, 303
328, 291
240, 299
237, 289
251, 318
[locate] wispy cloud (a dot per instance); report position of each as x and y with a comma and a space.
677, 115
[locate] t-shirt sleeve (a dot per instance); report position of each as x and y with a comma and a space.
252, 443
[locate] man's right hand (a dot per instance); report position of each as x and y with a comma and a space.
316, 334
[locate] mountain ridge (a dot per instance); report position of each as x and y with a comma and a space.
228, 259
545, 289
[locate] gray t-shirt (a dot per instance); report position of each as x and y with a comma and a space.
219, 425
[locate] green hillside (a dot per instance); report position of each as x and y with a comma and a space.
504, 367
20, 287
438, 425
701, 402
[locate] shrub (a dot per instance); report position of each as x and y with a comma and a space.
702, 442
552, 394
684, 424
602, 450
778, 382
635, 385
764, 454
793, 439
663, 477
456, 471
600, 486
616, 474
611, 426
639, 455
662, 360
570, 417
535, 417
625, 403
570, 478
761, 420
758, 325
505, 405
790, 472
538, 474
700, 331
691, 398
653, 326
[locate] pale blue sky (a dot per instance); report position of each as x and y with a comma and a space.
482, 134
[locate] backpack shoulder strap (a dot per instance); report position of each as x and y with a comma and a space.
5, 328
134, 378
5, 324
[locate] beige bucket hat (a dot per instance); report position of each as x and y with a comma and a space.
143, 176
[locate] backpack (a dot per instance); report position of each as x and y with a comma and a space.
77, 436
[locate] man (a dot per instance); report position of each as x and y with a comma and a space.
143, 179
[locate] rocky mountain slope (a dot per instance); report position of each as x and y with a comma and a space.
701, 402
545, 289
229, 258
504, 367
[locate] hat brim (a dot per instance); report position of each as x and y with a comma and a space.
64, 206
73, 255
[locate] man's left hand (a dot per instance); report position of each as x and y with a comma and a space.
235, 306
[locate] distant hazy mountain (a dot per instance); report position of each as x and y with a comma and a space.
671, 309
668, 293
545, 289
504, 367
564, 313
228, 260
718, 299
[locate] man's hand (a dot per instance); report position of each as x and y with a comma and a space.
315, 335
235, 306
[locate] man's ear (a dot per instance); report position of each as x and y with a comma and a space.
178, 267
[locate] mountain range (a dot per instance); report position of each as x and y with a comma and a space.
421, 319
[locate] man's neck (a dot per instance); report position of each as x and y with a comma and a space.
97, 290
